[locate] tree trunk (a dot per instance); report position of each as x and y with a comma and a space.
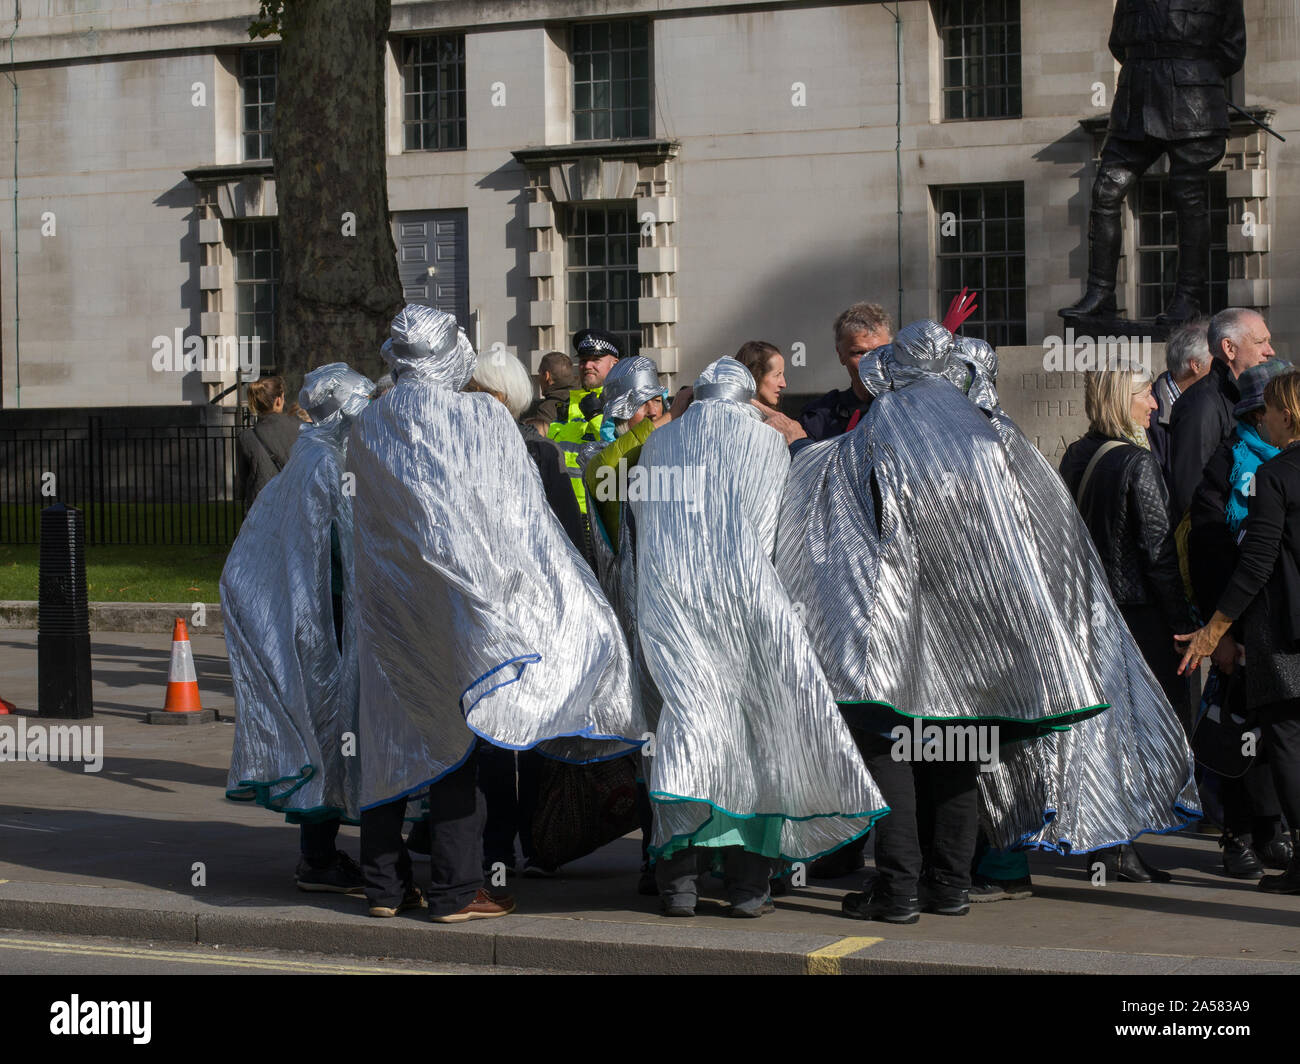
339, 286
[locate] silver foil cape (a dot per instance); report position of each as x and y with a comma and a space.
1114, 776
295, 691
1108, 778
476, 616
750, 748
616, 570
933, 605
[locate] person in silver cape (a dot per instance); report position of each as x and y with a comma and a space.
1079, 777
288, 607
477, 616
751, 762
943, 584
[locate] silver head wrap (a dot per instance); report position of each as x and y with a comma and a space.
429, 341
630, 383
334, 393
974, 369
921, 350
726, 380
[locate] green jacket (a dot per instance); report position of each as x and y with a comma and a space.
626, 449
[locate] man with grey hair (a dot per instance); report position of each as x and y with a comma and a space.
858, 330
1187, 360
1238, 338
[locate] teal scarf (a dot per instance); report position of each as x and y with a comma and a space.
1248, 454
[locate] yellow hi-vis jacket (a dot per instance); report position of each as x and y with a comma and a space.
571, 434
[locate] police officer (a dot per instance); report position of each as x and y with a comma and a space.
597, 353
1170, 99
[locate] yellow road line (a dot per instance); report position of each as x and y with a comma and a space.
826, 961
230, 961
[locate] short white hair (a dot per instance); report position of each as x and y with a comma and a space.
499, 371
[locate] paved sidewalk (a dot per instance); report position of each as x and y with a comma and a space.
114, 853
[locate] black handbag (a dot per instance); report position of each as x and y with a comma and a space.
1224, 730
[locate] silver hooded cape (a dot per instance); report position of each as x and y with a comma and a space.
928, 602
750, 749
295, 690
476, 616
1117, 775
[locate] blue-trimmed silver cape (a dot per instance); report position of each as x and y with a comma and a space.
476, 615
1117, 775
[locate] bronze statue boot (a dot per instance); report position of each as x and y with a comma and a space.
1183, 307
1097, 302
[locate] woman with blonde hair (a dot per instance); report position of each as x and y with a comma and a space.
1118, 486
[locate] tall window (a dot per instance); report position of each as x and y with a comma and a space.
256, 247
981, 57
1157, 245
611, 80
982, 246
601, 272
257, 73
433, 70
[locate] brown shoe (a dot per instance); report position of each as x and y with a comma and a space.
484, 907
412, 899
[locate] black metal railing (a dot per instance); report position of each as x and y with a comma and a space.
145, 486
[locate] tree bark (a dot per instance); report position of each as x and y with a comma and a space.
339, 286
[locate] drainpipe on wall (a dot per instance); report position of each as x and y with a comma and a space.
13, 80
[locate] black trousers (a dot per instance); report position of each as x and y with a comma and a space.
933, 818
385, 861
1280, 723
455, 845
510, 800
317, 842
1155, 639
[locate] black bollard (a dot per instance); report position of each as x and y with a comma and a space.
63, 628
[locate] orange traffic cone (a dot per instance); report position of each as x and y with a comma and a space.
182, 681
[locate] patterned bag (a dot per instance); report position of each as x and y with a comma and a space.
581, 808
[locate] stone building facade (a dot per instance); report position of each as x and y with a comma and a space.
689, 174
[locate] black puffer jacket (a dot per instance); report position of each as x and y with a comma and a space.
1126, 508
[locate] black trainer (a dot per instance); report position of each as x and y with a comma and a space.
878, 905
943, 900
342, 876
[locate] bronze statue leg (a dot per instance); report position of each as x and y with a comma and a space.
1190, 162
1122, 163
